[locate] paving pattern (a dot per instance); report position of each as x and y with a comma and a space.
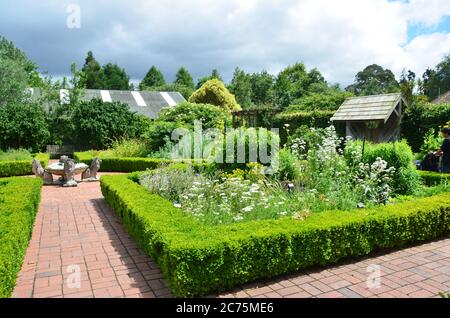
79, 249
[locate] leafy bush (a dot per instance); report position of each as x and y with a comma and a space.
128, 148
398, 155
15, 154
19, 201
23, 126
431, 142
215, 93
98, 124
433, 178
420, 118
197, 259
21, 167
330, 100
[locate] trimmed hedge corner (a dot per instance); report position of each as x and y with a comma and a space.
19, 202
433, 178
21, 167
197, 259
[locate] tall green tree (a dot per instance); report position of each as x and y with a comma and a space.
93, 74
437, 81
115, 77
295, 82
407, 85
153, 78
374, 80
214, 75
9, 52
241, 87
184, 78
13, 82
262, 88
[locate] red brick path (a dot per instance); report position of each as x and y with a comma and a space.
76, 227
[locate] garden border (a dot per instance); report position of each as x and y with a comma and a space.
19, 203
196, 259
433, 178
21, 167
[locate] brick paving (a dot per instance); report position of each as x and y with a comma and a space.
75, 230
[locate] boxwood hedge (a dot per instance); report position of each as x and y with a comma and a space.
433, 178
196, 259
21, 167
19, 201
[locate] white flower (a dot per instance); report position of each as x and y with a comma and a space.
248, 209
177, 205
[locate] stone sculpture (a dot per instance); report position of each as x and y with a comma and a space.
69, 173
90, 174
40, 172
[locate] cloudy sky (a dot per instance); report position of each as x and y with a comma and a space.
338, 37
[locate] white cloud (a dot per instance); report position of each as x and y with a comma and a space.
338, 37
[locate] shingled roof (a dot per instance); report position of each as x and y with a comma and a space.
368, 108
149, 104
443, 99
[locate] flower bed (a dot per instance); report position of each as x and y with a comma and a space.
19, 201
21, 167
197, 259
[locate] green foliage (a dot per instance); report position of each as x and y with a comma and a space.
420, 118
115, 78
215, 93
433, 178
289, 169
432, 142
93, 73
15, 154
295, 82
197, 259
9, 53
98, 124
19, 198
128, 148
184, 78
153, 78
19, 166
23, 126
331, 99
437, 81
398, 155
374, 80
13, 82
241, 87
214, 75
263, 88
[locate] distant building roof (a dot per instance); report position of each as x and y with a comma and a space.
443, 99
368, 108
146, 103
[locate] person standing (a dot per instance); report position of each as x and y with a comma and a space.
445, 151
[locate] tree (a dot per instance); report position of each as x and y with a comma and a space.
184, 78
93, 74
13, 82
241, 87
215, 93
115, 78
153, 78
8, 51
262, 88
98, 124
330, 99
374, 80
437, 81
214, 75
407, 85
23, 125
295, 82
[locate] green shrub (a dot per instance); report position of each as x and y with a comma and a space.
129, 148
433, 178
197, 259
215, 93
23, 126
21, 167
19, 202
15, 154
398, 155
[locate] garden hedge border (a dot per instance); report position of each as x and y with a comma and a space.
196, 259
21, 167
19, 202
433, 178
